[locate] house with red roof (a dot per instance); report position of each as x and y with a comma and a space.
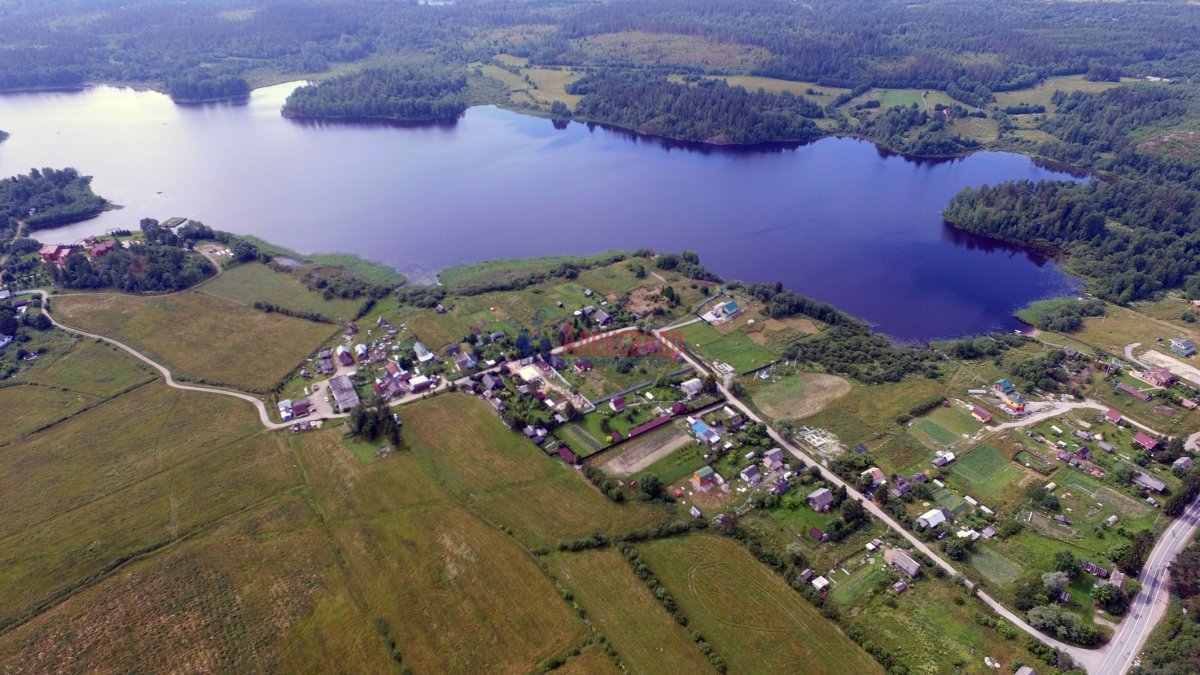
1145, 441
1114, 416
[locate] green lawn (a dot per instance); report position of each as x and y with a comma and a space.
936, 432
254, 282
993, 565
496, 271
986, 470
736, 348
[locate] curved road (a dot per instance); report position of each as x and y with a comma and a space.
1147, 608
258, 404
1112, 659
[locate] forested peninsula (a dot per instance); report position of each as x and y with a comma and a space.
48, 198
407, 94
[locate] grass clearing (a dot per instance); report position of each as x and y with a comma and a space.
750, 615
646, 637
507, 269
936, 432
27, 408
89, 367
1040, 95
800, 395
993, 565
987, 470
735, 348
253, 282
773, 85
199, 336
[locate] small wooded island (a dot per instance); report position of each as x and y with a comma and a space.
402, 94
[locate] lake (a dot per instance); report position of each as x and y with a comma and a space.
838, 220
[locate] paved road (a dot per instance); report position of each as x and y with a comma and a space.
1151, 604
258, 404
1131, 358
1148, 606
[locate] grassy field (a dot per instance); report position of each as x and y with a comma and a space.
936, 432
87, 367
750, 615
134, 474
776, 86
736, 349
987, 470
1033, 312
496, 271
1040, 95
800, 395
252, 282
336, 264
905, 98
199, 336
646, 637
27, 408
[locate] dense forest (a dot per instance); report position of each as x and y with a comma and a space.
206, 86
1132, 232
969, 50
48, 197
388, 93
706, 110
142, 268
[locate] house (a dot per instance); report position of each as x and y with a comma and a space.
102, 249
736, 422
1014, 401
821, 500
704, 478
692, 387
420, 383
1003, 387
344, 395
943, 459
1183, 346
902, 488
703, 433
751, 475
422, 352
817, 534
918, 477
360, 351
1149, 482
820, 583
1159, 377
722, 312
301, 408
1183, 463
643, 428
617, 403
980, 414
1114, 416
1149, 444
989, 532
565, 454
582, 365
491, 382
285, 410
934, 517
807, 575
54, 253
876, 474
903, 562
465, 362
1134, 392
344, 356
774, 459
603, 318
899, 587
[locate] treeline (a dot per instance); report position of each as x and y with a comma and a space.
142, 268
206, 86
384, 93
707, 111
872, 359
783, 303
272, 308
48, 197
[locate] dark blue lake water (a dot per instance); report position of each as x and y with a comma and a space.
837, 220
